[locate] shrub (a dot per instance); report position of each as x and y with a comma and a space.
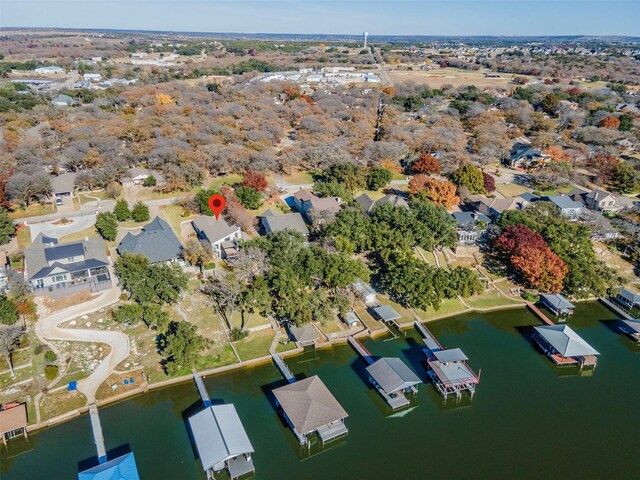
140, 212
249, 198
236, 334
150, 181
107, 225
50, 372
50, 356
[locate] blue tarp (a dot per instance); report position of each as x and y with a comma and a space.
72, 386
121, 468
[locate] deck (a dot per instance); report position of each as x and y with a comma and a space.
98, 438
286, 373
239, 466
429, 340
204, 394
538, 313
331, 432
362, 351
616, 309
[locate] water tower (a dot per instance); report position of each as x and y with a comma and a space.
365, 35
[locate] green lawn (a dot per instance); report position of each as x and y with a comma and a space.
175, 215
448, 307
406, 315
285, 347
511, 189
488, 299
86, 197
217, 182
255, 345
24, 238
253, 320
331, 326
89, 232
34, 210
556, 191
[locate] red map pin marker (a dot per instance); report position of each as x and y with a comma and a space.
217, 204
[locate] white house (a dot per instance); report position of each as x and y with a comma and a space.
92, 77
49, 70
217, 233
600, 200
137, 176
63, 101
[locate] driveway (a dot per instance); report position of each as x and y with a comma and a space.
47, 329
50, 229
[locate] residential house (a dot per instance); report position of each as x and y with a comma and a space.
628, 298
137, 176
217, 233
63, 185
365, 292
601, 201
92, 77
63, 101
471, 225
156, 241
565, 205
367, 203
62, 269
529, 197
523, 156
315, 208
272, 222
493, 207
49, 70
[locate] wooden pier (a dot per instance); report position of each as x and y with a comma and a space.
538, 313
97, 433
429, 340
286, 373
204, 394
616, 309
362, 351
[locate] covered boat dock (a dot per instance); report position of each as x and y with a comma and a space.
450, 372
222, 441
13, 421
305, 335
387, 314
564, 346
121, 468
308, 406
394, 380
631, 328
557, 303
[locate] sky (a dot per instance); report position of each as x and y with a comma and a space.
378, 17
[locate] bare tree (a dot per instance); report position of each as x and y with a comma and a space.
250, 263
9, 336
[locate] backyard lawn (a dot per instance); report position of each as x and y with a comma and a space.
255, 345
451, 306
89, 232
34, 210
490, 298
511, 189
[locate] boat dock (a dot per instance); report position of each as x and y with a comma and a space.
538, 313
286, 373
204, 394
98, 438
362, 351
447, 368
630, 325
616, 309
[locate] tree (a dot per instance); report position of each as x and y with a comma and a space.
378, 178
121, 210
626, 123
8, 311
609, 122
350, 175
625, 178
254, 180
550, 103
181, 346
197, 253
530, 255
140, 212
225, 290
249, 198
426, 163
439, 192
113, 190
128, 313
107, 225
150, 181
469, 176
155, 317
7, 227
9, 337
202, 199
489, 182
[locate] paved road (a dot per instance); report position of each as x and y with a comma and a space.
47, 329
51, 230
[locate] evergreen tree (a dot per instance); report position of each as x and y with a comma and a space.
107, 225
140, 212
122, 211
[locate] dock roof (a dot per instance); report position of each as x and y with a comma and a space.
13, 418
305, 333
633, 325
392, 374
452, 372
565, 341
309, 405
121, 468
387, 313
219, 435
451, 355
556, 300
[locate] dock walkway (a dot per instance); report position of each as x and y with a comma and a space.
286, 373
204, 394
98, 438
538, 313
362, 351
616, 309
432, 344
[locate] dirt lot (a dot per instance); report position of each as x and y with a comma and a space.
451, 76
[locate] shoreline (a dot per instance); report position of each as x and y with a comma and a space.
254, 362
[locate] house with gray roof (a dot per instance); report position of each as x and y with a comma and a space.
367, 203
56, 269
493, 207
394, 380
565, 205
305, 335
216, 233
308, 406
221, 441
272, 222
314, 207
63, 101
471, 225
601, 201
63, 185
156, 241
628, 298
523, 156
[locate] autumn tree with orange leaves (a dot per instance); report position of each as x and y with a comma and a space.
609, 122
426, 164
255, 180
530, 256
439, 192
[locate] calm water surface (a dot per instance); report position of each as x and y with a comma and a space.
528, 420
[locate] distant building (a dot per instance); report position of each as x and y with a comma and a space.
523, 156
367, 203
271, 222
315, 208
92, 77
137, 176
49, 70
156, 241
216, 233
628, 298
493, 207
63, 269
63, 101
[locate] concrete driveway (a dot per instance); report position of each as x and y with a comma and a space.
50, 229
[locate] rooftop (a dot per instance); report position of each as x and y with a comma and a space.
293, 221
556, 300
305, 333
387, 313
121, 468
13, 418
309, 405
392, 374
565, 341
156, 241
214, 230
563, 201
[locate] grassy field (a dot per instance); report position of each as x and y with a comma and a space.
331, 326
252, 320
511, 189
24, 238
298, 178
217, 182
488, 299
368, 320
91, 196
60, 402
34, 210
175, 215
448, 307
87, 232
451, 76
255, 345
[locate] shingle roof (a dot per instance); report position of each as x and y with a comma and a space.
556, 300
68, 267
63, 183
219, 435
156, 241
293, 221
121, 468
13, 418
66, 250
565, 341
214, 230
467, 218
309, 404
366, 202
305, 333
598, 194
563, 202
392, 374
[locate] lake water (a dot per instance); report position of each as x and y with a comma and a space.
528, 419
